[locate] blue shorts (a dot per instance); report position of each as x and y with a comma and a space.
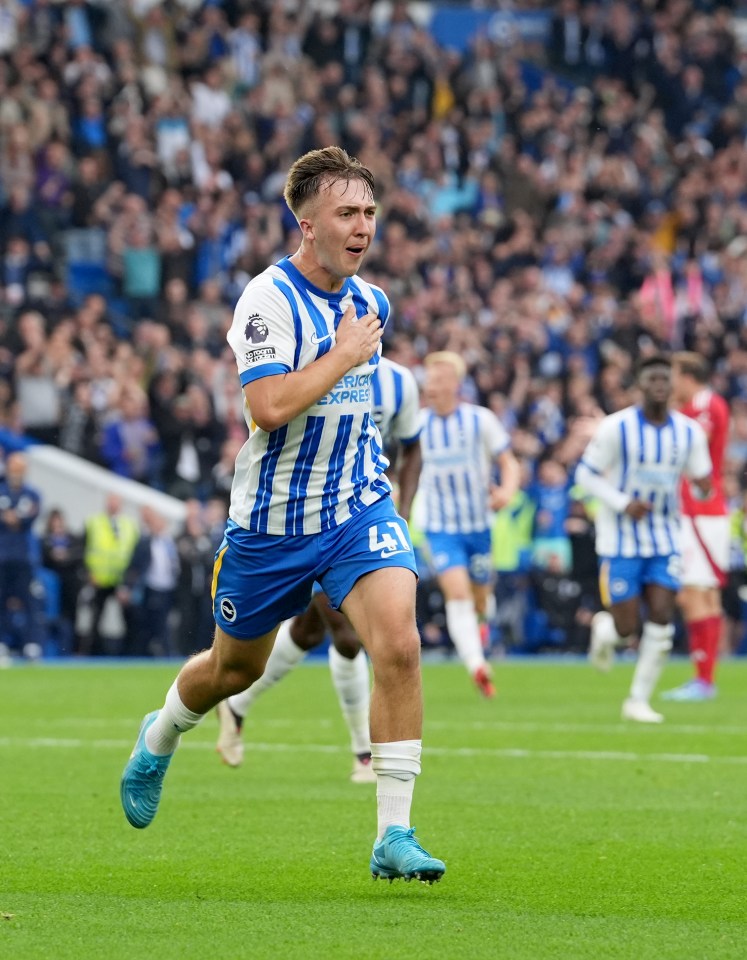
260, 580
470, 550
622, 578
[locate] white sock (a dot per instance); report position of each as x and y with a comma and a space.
604, 628
396, 765
162, 736
352, 683
656, 642
464, 630
285, 655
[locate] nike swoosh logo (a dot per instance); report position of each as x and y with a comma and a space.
385, 554
315, 338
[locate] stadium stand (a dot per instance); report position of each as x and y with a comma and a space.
562, 191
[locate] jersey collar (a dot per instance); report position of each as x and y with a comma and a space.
299, 280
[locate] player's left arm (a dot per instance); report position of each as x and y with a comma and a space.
698, 467
405, 428
408, 475
501, 495
498, 444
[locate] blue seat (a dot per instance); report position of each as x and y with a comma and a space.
84, 278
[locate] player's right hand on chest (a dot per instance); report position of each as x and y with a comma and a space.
638, 509
358, 337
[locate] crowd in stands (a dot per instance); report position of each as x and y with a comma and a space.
550, 210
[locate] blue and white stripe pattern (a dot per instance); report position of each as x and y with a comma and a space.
646, 462
396, 403
458, 458
325, 466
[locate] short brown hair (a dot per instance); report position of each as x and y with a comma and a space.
692, 365
313, 169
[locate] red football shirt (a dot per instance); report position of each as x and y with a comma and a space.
712, 413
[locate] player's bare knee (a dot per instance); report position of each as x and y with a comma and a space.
347, 644
234, 679
307, 639
662, 615
400, 655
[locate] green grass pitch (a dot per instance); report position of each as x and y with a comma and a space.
566, 833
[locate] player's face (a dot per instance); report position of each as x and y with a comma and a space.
441, 384
656, 384
342, 225
682, 387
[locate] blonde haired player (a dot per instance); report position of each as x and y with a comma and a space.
462, 444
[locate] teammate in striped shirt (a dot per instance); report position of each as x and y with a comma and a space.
396, 409
633, 465
705, 530
311, 502
462, 444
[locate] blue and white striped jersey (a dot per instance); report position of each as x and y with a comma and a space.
396, 403
325, 466
458, 455
640, 460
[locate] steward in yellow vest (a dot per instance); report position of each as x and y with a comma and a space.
110, 541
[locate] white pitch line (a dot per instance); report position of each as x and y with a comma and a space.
506, 753
511, 726
535, 726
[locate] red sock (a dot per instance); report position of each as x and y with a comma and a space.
707, 666
704, 639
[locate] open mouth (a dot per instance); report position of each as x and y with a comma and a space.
356, 250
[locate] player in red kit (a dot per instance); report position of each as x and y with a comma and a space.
705, 530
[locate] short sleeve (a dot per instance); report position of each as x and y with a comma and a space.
601, 452
495, 435
263, 335
406, 424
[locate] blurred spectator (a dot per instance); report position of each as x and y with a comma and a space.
735, 593
62, 553
19, 553
36, 379
149, 589
110, 540
550, 494
202, 437
216, 515
79, 429
129, 442
52, 188
511, 538
221, 475
584, 569
88, 186
196, 550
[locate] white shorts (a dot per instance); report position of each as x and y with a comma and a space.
698, 558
